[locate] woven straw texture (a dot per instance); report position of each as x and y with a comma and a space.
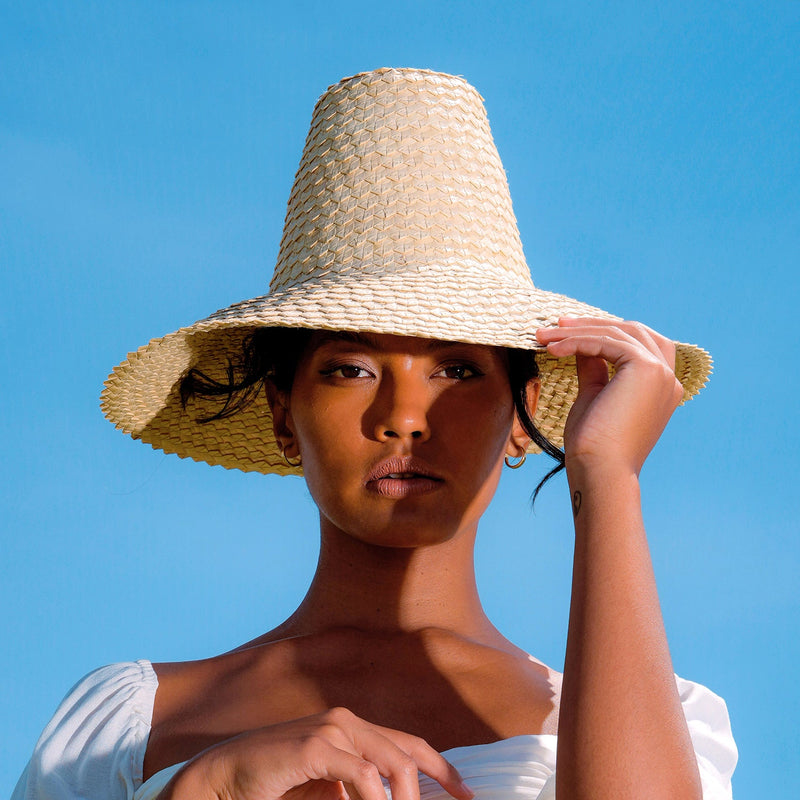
399, 221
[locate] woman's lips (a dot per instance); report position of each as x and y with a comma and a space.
404, 486
402, 476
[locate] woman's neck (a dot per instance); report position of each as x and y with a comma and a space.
388, 589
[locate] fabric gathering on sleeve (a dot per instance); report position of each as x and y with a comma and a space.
93, 747
710, 729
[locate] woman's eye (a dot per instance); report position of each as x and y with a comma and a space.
345, 371
458, 372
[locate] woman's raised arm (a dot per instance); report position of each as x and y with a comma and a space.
622, 733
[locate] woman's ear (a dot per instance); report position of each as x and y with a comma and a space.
519, 440
282, 423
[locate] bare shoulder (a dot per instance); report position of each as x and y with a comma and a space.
523, 694
200, 703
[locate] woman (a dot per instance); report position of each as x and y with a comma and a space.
392, 364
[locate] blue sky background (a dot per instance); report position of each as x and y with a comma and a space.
146, 155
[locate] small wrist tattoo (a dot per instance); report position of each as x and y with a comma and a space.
576, 502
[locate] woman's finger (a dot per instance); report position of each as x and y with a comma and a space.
330, 763
651, 339
398, 756
627, 355
392, 762
613, 345
592, 374
431, 762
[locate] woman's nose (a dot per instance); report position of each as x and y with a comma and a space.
401, 409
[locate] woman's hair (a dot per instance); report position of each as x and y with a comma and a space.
272, 354
522, 368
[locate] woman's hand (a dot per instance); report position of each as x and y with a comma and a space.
615, 422
328, 756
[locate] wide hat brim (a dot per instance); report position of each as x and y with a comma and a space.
142, 395
399, 221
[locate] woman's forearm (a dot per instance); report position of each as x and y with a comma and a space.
622, 732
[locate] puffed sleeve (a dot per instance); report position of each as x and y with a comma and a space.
93, 747
710, 729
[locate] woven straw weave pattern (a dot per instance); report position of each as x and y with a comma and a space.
399, 171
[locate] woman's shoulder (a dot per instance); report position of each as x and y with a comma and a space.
95, 743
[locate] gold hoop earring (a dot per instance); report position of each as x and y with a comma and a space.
518, 464
293, 464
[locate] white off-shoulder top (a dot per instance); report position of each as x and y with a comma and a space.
93, 748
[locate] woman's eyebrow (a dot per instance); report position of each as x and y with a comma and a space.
353, 337
370, 341
366, 339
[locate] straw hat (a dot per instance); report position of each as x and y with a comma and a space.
399, 221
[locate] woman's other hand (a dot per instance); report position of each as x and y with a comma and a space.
615, 421
329, 756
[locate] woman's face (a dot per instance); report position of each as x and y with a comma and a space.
402, 439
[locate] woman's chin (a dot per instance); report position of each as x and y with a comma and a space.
406, 526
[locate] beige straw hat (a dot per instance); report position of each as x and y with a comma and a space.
399, 221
